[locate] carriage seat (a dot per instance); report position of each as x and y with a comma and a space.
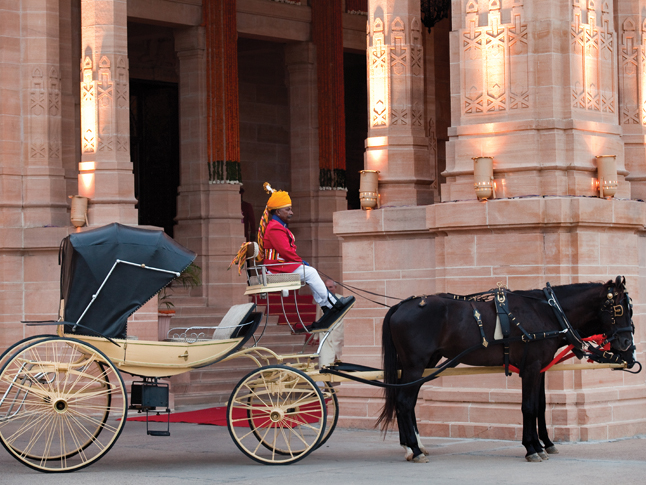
261, 280
233, 325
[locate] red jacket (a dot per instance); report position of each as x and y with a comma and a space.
280, 246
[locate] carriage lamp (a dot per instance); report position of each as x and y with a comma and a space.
369, 189
79, 210
607, 173
483, 177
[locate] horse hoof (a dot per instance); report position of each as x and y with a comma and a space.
425, 451
422, 458
543, 455
533, 458
552, 450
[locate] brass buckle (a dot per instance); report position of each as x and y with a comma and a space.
619, 310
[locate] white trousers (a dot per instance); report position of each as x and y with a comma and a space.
333, 346
314, 281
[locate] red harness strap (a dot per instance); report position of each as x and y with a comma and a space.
566, 354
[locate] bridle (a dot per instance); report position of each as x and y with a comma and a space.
615, 309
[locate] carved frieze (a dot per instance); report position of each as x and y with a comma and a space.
593, 70
495, 59
632, 71
44, 114
379, 74
104, 105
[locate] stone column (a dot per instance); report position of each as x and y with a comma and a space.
208, 215
43, 185
535, 89
105, 169
631, 59
397, 145
313, 208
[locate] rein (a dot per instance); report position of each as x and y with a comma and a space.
577, 346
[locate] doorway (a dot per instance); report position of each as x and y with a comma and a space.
154, 146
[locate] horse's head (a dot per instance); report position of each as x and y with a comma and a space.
617, 319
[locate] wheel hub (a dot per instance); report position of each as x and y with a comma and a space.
276, 415
60, 406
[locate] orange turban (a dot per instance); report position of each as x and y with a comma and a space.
279, 200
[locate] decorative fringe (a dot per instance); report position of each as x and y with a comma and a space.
223, 112
327, 35
332, 179
433, 11
264, 220
357, 7
221, 172
240, 258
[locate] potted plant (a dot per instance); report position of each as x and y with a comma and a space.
191, 277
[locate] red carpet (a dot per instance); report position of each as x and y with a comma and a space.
218, 417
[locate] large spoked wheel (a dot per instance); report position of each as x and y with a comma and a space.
21, 344
62, 405
277, 415
332, 405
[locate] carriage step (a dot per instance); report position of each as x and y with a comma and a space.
158, 433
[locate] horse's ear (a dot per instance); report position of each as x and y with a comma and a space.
619, 282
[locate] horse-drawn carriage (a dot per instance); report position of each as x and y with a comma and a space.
63, 401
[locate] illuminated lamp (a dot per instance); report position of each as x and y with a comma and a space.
607, 173
79, 210
483, 177
368, 189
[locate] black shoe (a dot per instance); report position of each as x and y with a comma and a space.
341, 303
332, 315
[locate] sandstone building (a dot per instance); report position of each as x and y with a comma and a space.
157, 110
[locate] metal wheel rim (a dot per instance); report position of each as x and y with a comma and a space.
283, 409
329, 395
60, 394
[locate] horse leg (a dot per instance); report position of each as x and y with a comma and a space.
406, 400
419, 438
531, 383
542, 426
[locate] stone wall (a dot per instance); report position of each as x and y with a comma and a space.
264, 120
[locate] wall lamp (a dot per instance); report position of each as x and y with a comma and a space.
369, 189
79, 210
483, 177
607, 175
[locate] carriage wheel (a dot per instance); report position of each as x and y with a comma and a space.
64, 405
329, 395
276, 415
4, 357
332, 405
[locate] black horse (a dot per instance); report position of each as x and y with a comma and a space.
419, 332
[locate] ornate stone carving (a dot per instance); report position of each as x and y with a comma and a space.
88, 112
632, 71
379, 73
593, 72
44, 114
496, 61
105, 93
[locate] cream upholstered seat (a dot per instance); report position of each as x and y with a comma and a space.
236, 316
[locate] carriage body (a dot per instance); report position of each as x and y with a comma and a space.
70, 384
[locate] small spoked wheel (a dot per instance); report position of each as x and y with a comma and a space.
62, 405
332, 405
277, 415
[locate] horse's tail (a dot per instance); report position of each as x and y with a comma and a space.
391, 374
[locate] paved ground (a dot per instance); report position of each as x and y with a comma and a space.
206, 454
